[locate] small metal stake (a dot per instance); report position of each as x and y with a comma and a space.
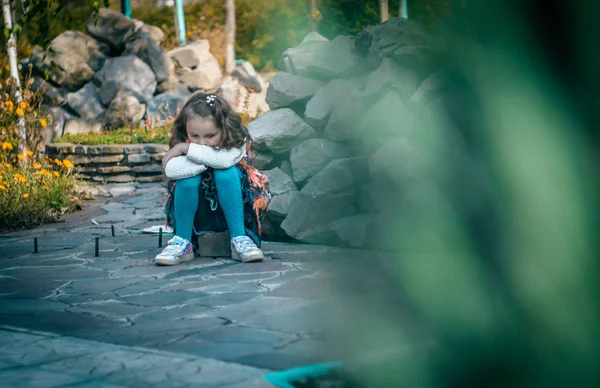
160, 237
35, 246
97, 246
112, 230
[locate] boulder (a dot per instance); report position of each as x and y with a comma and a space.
280, 182
391, 76
287, 89
205, 77
286, 167
338, 177
353, 230
310, 156
124, 111
344, 119
51, 95
155, 33
111, 27
390, 116
169, 84
313, 35
279, 130
81, 126
193, 55
86, 102
403, 40
56, 125
399, 162
320, 105
430, 88
246, 74
262, 161
69, 71
129, 73
280, 206
309, 218
323, 60
97, 60
241, 99
165, 106
141, 45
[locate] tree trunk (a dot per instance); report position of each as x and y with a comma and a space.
230, 36
312, 10
14, 71
384, 10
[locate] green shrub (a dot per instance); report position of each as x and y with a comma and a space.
119, 136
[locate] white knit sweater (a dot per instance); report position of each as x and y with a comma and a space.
199, 157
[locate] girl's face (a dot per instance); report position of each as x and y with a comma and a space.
203, 131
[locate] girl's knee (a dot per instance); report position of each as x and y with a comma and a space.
227, 174
188, 184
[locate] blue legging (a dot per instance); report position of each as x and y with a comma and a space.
229, 193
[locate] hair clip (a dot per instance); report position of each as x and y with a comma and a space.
210, 99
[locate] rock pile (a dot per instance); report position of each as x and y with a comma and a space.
337, 137
118, 75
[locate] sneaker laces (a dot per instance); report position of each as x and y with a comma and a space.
171, 247
243, 243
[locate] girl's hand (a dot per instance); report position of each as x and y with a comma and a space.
179, 150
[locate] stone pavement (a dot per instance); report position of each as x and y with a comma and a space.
118, 320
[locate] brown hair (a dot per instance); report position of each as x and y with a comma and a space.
233, 132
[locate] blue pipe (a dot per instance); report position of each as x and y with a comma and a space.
180, 21
284, 378
404, 9
126, 8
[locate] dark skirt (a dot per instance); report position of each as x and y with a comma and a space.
209, 216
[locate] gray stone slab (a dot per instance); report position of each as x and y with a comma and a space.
261, 308
110, 308
35, 378
227, 298
164, 298
24, 306
306, 288
165, 315
100, 285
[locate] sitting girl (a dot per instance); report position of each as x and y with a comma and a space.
213, 186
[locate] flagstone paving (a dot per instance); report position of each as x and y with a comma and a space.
69, 318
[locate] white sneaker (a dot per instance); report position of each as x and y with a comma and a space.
177, 251
245, 250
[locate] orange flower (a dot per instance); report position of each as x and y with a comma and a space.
68, 164
2, 188
43, 123
23, 105
20, 112
7, 165
7, 146
20, 178
58, 162
46, 187
37, 166
56, 174
21, 157
26, 195
29, 153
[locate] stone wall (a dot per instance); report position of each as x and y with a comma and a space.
113, 163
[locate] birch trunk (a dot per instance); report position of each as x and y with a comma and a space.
384, 10
230, 36
14, 72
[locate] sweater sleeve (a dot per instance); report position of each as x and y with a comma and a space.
219, 159
180, 167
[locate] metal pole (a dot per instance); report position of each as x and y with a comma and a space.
180, 22
403, 9
126, 8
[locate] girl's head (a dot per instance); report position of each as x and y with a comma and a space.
208, 119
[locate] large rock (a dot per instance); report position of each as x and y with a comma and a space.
403, 40
69, 71
320, 105
430, 88
56, 125
391, 76
313, 35
390, 116
241, 99
205, 77
400, 162
338, 177
310, 156
353, 230
192, 55
129, 73
309, 218
124, 111
345, 117
246, 74
280, 182
81, 126
323, 60
164, 107
155, 32
86, 102
286, 89
279, 130
112, 28
169, 84
51, 95
142, 45
280, 205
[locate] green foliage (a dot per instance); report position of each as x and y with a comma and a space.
119, 136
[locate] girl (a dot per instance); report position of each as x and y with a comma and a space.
213, 186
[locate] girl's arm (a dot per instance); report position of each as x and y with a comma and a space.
219, 159
180, 167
